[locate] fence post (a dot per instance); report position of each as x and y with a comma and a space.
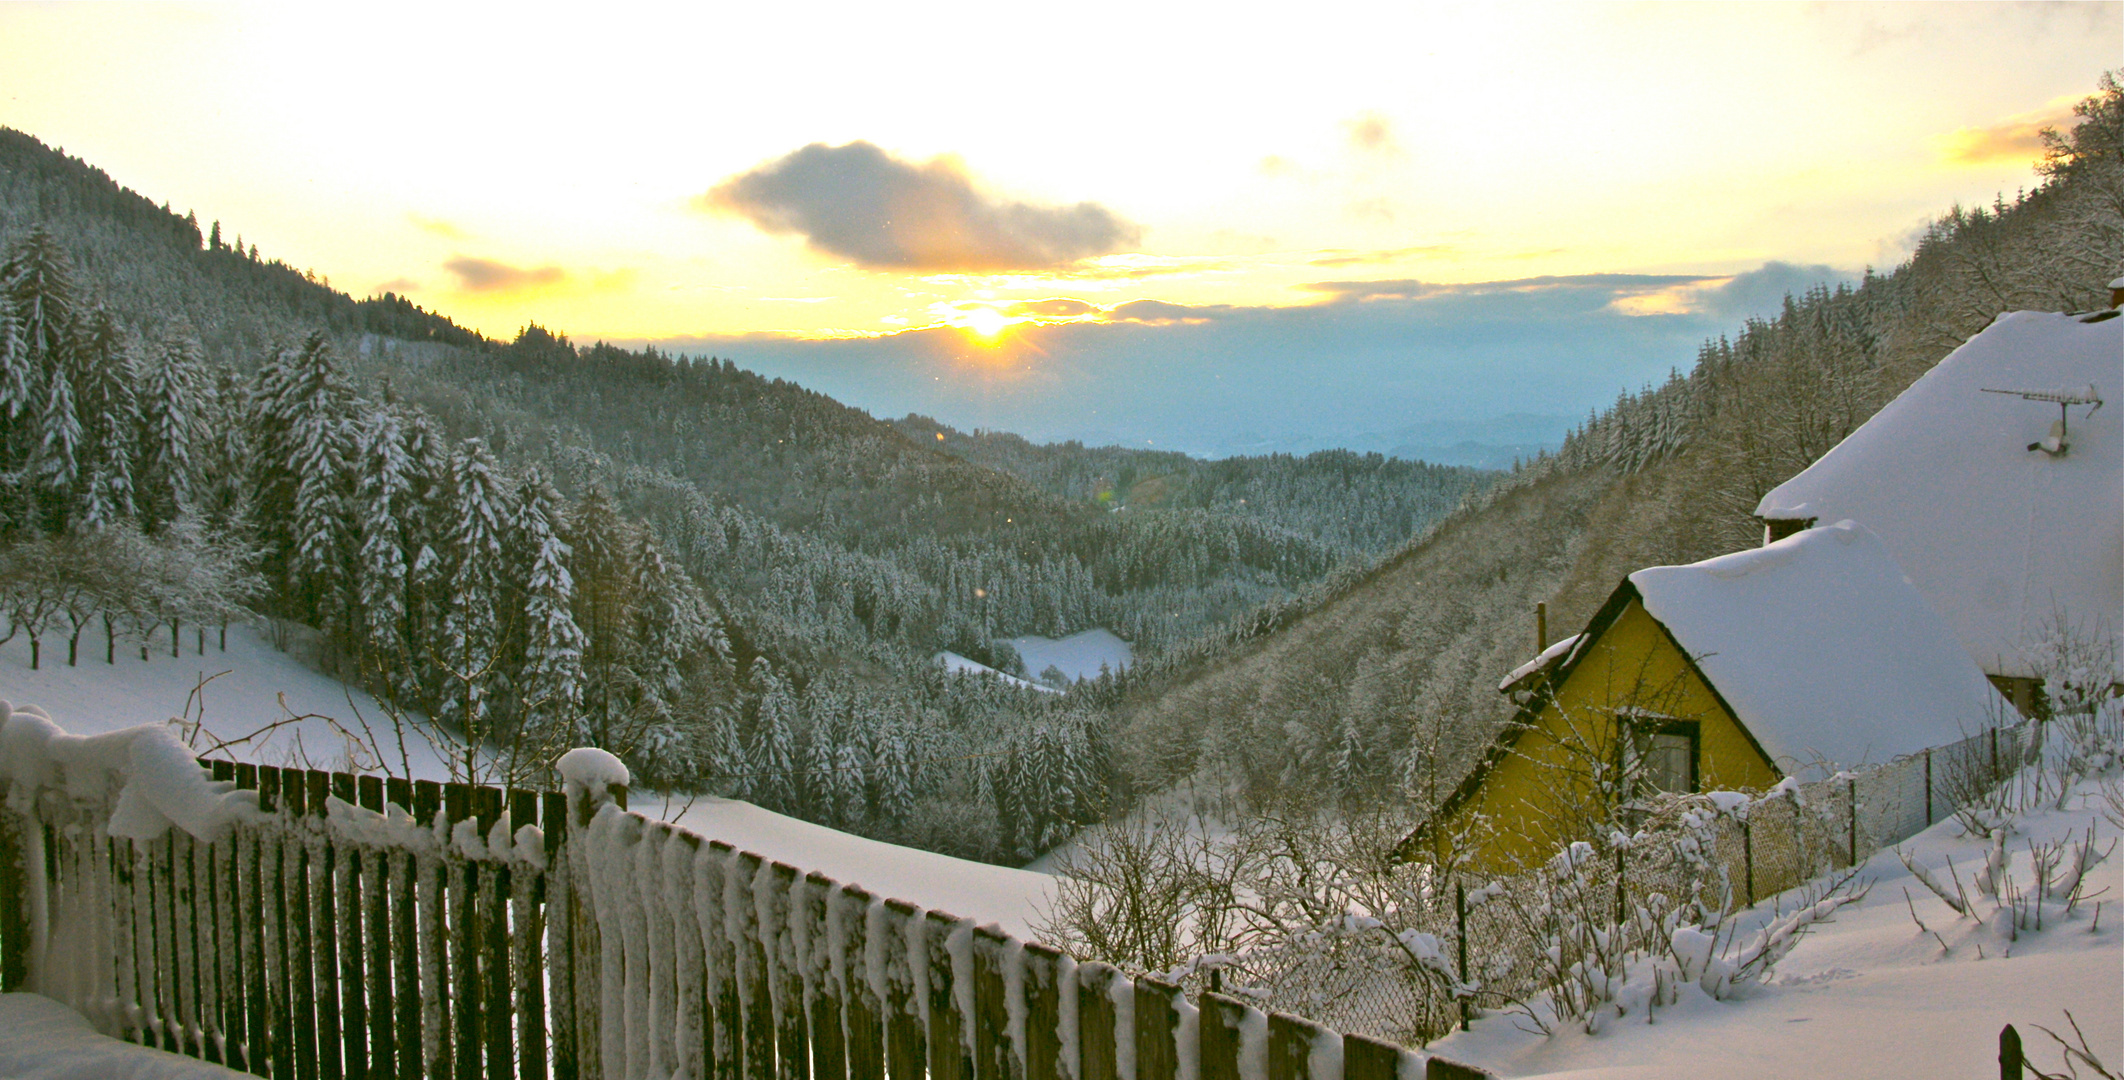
1217, 1037
1851, 816
1460, 937
1043, 1013
1157, 1024
1096, 1031
2009, 1053
906, 1047
991, 1018
1290, 1048
825, 996
1369, 1059
14, 918
1928, 787
1748, 857
948, 1059
1995, 778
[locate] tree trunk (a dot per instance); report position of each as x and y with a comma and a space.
73, 649
176, 642
110, 641
35, 652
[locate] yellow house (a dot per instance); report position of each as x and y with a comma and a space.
1806, 656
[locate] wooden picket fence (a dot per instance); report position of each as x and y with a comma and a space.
373, 928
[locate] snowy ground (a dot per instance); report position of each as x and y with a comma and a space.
1079, 656
957, 664
96, 697
1013, 899
41, 1039
1869, 994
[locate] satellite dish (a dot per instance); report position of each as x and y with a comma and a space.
2057, 442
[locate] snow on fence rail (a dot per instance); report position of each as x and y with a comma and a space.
333, 925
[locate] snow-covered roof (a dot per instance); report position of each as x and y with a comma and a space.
1541, 660
2005, 542
1823, 649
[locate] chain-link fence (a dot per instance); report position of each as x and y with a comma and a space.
1707, 854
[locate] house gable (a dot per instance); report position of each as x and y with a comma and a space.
1534, 782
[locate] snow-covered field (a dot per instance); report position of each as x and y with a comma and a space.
245, 689
1013, 899
1869, 994
1079, 656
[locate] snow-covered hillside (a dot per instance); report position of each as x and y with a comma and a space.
252, 681
246, 688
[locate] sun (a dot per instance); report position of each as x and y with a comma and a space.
986, 322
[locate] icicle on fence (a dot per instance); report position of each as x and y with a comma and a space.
361, 927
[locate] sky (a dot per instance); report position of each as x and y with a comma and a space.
1120, 222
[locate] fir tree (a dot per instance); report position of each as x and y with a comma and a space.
550, 682
173, 424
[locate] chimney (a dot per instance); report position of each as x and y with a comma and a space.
2116, 293
1541, 628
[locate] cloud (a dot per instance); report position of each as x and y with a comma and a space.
1762, 291
1059, 307
1365, 258
2015, 139
488, 276
395, 285
436, 227
1160, 313
861, 203
1412, 289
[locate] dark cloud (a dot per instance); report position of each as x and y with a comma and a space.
1411, 289
487, 275
863, 204
1059, 307
1762, 291
1160, 313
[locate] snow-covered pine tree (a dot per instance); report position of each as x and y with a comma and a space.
549, 682
771, 764
106, 377
471, 629
37, 295
173, 418
382, 500
601, 553
304, 411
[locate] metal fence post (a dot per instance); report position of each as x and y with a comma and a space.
1851, 815
1928, 787
1460, 919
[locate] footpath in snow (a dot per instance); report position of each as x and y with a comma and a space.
1870, 994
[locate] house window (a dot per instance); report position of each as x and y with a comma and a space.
1664, 753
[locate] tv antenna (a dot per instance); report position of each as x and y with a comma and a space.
2056, 444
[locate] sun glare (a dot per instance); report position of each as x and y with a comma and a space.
986, 322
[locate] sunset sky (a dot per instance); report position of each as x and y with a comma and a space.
1571, 189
